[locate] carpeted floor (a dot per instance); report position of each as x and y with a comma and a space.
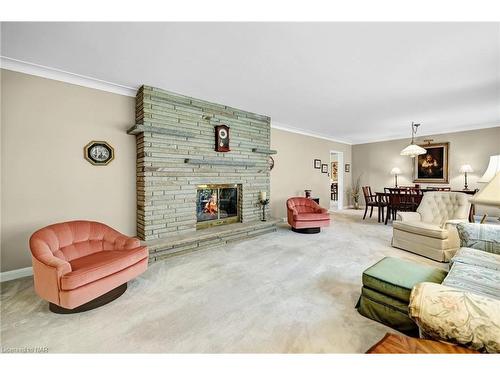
279, 293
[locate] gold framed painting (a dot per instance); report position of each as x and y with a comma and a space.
432, 167
335, 171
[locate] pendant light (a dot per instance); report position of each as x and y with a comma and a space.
412, 149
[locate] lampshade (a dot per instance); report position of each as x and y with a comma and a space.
413, 150
466, 168
395, 170
492, 170
490, 194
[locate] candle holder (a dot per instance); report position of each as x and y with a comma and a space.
264, 203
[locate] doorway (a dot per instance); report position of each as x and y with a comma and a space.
336, 173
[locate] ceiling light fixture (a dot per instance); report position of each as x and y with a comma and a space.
412, 149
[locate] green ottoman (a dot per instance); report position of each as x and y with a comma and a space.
386, 291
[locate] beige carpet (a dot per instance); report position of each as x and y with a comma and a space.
279, 293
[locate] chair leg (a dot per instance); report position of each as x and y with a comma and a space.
387, 214
366, 210
371, 212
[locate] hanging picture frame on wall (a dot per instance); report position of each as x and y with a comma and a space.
347, 168
317, 163
324, 168
432, 167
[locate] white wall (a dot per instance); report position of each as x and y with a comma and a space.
45, 179
294, 171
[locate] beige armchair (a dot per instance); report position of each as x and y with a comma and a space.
431, 231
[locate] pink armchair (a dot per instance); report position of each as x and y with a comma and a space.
306, 216
81, 265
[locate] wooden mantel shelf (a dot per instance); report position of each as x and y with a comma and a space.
264, 151
139, 128
238, 163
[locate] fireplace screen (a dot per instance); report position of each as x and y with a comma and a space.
216, 205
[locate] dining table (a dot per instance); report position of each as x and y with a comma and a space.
383, 198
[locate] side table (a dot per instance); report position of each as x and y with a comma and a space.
397, 344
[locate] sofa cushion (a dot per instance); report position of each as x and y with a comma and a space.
484, 237
421, 228
311, 216
386, 310
95, 266
475, 257
396, 277
475, 279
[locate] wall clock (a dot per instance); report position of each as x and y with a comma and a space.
99, 153
222, 138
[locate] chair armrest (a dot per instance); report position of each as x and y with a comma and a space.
60, 265
457, 316
47, 273
126, 243
454, 222
408, 216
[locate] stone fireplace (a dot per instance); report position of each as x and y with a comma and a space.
188, 195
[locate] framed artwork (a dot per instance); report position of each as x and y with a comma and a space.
324, 168
99, 153
317, 163
335, 171
432, 167
347, 168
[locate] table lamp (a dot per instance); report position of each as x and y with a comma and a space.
395, 171
492, 170
490, 194
466, 168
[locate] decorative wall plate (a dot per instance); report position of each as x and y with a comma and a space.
270, 162
99, 153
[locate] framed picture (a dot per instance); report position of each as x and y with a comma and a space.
335, 171
347, 168
432, 167
317, 163
99, 153
324, 168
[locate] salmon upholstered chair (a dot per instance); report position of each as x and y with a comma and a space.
306, 216
80, 265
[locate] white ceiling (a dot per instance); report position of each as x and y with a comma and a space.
354, 82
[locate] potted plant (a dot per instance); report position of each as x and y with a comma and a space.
355, 192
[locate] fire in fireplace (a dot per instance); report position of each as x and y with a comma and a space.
217, 205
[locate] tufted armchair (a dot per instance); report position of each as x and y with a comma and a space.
431, 231
78, 261
306, 216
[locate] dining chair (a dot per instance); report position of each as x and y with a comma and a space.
401, 199
372, 201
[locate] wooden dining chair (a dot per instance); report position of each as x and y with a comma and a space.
401, 199
372, 201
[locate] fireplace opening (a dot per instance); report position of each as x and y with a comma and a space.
217, 205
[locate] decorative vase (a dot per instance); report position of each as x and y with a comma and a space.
356, 205
308, 193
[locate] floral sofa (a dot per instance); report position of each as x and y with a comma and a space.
465, 308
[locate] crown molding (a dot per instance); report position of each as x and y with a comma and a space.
429, 134
291, 129
63, 76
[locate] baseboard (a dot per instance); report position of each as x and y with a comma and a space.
16, 274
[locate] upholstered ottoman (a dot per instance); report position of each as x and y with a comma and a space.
386, 291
